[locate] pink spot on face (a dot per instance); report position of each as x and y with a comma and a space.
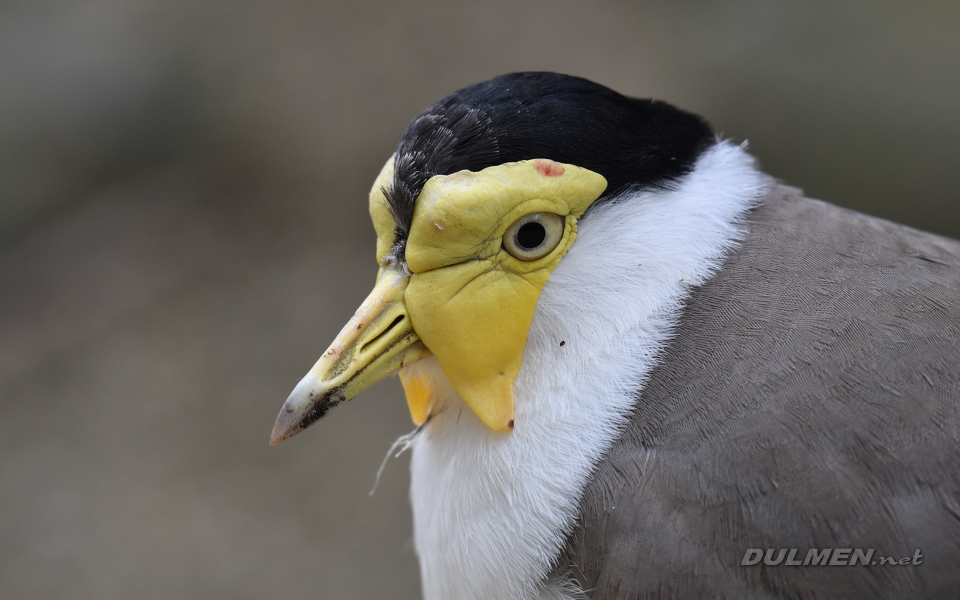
548, 168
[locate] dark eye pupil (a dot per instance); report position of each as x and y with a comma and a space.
531, 235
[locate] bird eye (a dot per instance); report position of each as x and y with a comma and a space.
533, 236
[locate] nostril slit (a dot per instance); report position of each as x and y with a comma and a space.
393, 324
387, 330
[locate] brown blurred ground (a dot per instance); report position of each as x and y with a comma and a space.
183, 230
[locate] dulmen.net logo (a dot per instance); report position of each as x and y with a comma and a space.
829, 557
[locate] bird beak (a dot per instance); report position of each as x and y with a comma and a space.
378, 341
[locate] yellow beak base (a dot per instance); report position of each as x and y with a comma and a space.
378, 341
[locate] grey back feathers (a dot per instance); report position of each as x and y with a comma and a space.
809, 399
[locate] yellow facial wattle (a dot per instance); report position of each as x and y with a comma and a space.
469, 300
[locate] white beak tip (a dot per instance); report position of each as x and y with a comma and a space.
305, 406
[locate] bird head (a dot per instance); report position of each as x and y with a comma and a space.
473, 212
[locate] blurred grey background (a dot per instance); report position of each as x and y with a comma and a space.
183, 230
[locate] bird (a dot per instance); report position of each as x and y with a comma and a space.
640, 367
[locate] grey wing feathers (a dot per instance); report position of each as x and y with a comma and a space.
810, 398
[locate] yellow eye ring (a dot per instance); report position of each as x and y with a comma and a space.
533, 236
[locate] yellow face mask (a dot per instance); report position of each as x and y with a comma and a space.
480, 248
